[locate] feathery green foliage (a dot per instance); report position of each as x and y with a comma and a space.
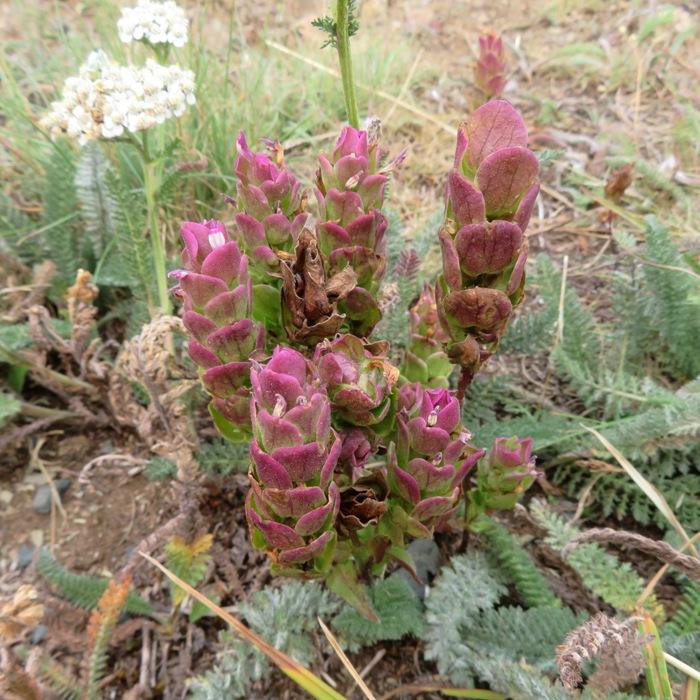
84, 591
59, 216
14, 225
518, 566
188, 561
284, 617
329, 26
687, 618
469, 587
9, 408
128, 222
685, 647
103, 621
521, 682
240, 665
605, 366
397, 606
223, 457
670, 308
513, 633
96, 205
61, 682
160, 469
672, 472
618, 584
464, 623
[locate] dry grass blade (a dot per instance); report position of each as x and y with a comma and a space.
659, 574
395, 100
658, 682
644, 261
677, 663
291, 668
632, 219
690, 566
471, 693
346, 662
650, 490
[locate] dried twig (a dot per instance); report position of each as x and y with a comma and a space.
148, 544
661, 550
146, 360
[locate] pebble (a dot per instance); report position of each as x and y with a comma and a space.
39, 634
24, 557
42, 496
428, 559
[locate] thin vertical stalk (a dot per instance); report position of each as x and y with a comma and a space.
342, 19
150, 178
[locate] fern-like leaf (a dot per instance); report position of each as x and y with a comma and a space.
519, 567
103, 620
84, 591
187, 561
59, 216
670, 307
93, 195
284, 617
687, 617
617, 583
61, 682
463, 591
128, 221
329, 26
398, 608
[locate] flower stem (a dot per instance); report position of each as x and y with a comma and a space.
150, 178
342, 19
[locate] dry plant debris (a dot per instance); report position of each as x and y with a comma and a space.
618, 646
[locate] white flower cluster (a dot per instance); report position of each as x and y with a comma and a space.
155, 22
106, 99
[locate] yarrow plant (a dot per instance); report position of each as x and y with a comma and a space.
350, 455
154, 23
105, 100
108, 101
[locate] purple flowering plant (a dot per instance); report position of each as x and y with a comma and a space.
350, 454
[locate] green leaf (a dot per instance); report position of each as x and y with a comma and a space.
227, 429
9, 408
398, 607
343, 581
84, 591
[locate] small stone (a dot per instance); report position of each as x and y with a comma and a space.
5, 497
42, 496
24, 557
428, 559
39, 634
37, 538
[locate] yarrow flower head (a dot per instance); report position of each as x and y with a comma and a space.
154, 22
105, 99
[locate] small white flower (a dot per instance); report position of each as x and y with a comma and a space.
104, 99
155, 22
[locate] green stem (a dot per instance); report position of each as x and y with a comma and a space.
150, 178
32, 411
19, 360
342, 20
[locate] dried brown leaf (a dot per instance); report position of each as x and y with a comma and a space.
618, 183
618, 646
